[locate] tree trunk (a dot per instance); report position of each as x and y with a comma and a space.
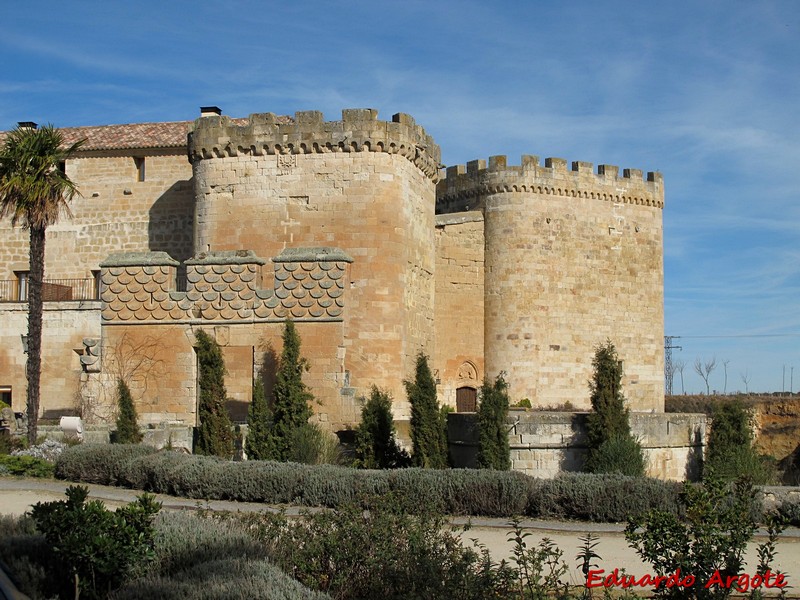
34, 364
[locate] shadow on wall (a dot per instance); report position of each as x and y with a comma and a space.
694, 461
170, 226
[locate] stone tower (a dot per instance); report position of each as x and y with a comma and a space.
572, 258
361, 185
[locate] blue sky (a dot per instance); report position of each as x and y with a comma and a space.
708, 93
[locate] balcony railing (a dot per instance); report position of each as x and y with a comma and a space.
53, 290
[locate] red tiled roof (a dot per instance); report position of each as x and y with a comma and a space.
134, 135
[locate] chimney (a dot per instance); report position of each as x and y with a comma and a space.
210, 111
27, 125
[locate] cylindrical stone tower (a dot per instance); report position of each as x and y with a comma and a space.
572, 259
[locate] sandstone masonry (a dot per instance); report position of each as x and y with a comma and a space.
351, 229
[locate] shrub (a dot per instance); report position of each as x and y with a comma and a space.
609, 419
311, 445
428, 428
127, 421
231, 578
730, 452
11, 443
95, 547
789, 510
196, 557
291, 406
30, 558
383, 553
214, 435
26, 466
711, 538
493, 449
376, 446
105, 464
601, 498
622, 455
259, 421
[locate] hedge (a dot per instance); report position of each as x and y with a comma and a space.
451, 491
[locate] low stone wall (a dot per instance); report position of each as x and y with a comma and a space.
544, 444
160, 436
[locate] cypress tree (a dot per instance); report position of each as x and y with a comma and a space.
213, 436
493, 449
127, 427
291, 406
428, 436
376, 446
259, 419
611, 446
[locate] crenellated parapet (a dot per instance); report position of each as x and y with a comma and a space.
308, 285
465, 186
359, 130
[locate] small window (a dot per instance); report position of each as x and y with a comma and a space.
96, 283
5, 394
62, 166
22, 285
139, 162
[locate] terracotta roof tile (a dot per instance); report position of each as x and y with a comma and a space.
134, 135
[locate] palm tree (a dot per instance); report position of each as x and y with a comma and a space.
34, 190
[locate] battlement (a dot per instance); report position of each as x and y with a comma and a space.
308, 285
214, 136
476, 180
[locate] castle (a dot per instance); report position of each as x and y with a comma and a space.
355, 231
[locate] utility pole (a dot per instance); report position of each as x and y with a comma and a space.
668, 369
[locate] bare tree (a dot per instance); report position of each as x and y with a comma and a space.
746, 380
679, 366
725, 364
704, 369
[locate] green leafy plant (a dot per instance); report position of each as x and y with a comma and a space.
731, 452
312, 445
291, 407
26, 466
611, 447
259, 421
376, 446
539, 568
428, 432
712, 537
127, 421
493, 446
586, 557
96, 547
214, 435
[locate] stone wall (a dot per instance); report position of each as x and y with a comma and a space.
544, 444
459, 307
70, 331
114, 213
360, 184
143, 315
572, 258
